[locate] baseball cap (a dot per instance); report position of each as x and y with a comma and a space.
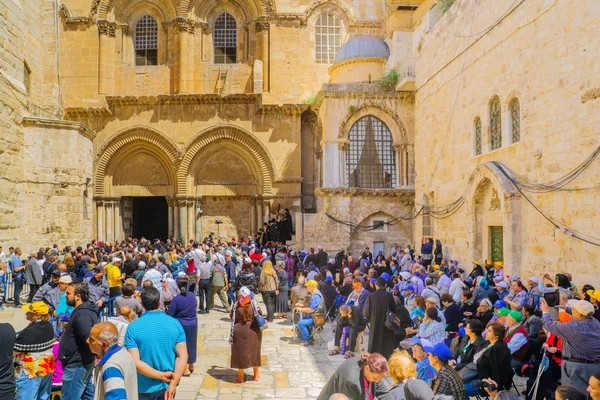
346, 270
65, 279
534, 279
502, 284
517, 316
503, 312
440, 350
98, 268
432, 299
405, 275
329, 279
499, 304
56, 273
477, 263
38, 307
422, 342
116, 259
311, 283
584, 307
385, 276
409, 287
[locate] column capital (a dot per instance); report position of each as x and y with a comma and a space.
184, 25
124, 28
399, 146
262, 23
343, 145
106, 27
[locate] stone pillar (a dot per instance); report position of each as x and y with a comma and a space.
110, 219
266, 210
118, 220
191, 213
100, 220
170, 215
110, 59
410, 162
182, 219
343, 151
184, 29
399, 155
103, 31
262, 28
253, 227
198, 220
175, 217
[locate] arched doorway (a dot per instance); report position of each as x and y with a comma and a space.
135, 175
494, 218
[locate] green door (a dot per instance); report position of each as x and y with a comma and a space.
496, 244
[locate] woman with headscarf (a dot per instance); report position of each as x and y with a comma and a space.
482, 290
358, 378
484, 312
183, 309
245, 337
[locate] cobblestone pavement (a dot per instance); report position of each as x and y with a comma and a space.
288, 371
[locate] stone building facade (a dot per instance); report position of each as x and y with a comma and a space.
374, 122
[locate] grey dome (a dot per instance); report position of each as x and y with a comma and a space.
364, 46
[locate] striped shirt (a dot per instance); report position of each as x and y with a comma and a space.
115, 377
153, 276
581, 338
155, 335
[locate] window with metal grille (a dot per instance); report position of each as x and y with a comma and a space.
225, 39
515, 119
379, 225
495, 123
328, 37
146, 41
478, 137
426, 222
370, 159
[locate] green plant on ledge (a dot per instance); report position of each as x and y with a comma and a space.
310, 99
391, 78
445, 5
352, 110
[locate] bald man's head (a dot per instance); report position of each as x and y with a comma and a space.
126, 312
103, 336
338, 396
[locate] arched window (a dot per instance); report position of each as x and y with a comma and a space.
495, 124
515, 118
328, 37
146, 41
371, 161
478, 137
225, 39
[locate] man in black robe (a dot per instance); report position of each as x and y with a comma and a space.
286, 228
378, 304
274, 235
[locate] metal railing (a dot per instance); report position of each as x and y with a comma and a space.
7, 285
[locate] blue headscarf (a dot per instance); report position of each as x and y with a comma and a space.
483, 283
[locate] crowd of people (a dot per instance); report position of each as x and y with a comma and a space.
434, 329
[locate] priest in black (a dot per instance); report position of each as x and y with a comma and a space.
286, 227
378, 304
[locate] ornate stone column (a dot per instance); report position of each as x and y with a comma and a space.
170, 215
110, 219
263, 30
104, 28
191, 223
118, 219
399, 151
182, 219
343, 148
176, 229
100, 219
266, 210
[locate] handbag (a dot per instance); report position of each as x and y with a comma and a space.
392, 321
469, 372
319, 318
262, 323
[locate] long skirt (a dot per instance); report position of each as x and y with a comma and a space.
191, 341
247, 341
281, 302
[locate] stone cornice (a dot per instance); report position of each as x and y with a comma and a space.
289, 179
73, 112
183, 99
283, 109
356, 61
69, 19
60, 124
360, 91
403, 194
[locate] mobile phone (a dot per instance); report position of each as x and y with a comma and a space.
552, 298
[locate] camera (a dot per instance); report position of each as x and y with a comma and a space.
485, 385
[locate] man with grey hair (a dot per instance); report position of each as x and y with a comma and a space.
121, 322
203, 275
115, 375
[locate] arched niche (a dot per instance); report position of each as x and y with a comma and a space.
385, 235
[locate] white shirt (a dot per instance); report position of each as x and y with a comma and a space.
195, 254
456, 289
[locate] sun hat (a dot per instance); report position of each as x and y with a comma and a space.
311, 283
584, 307
65, 279
38, 307
594, 294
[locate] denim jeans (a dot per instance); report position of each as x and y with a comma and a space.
78, 383
303, 326
290, 282
231, 296
34, 388
18, 290
269, 300
160, 395
204, 294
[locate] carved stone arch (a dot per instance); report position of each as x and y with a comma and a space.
389, 117
232, 133
349, 15
102, 9
485, 176
140, 134
201, 9
131, 11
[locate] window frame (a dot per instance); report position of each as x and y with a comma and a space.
495, 110
225, 54
515, 120
329, 51
384, 161
149, 52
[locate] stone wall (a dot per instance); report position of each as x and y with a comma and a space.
236, 215
43, 161
545, 54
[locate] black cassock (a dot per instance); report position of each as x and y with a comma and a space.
286, 229
274, 233
381, 339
